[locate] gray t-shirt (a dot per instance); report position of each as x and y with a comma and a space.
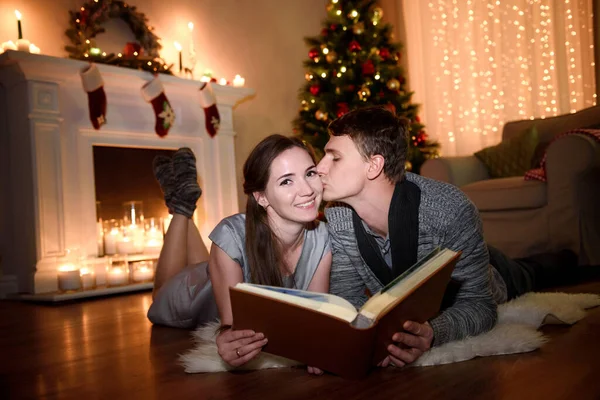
187, 299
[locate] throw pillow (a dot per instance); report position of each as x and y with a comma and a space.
512, 157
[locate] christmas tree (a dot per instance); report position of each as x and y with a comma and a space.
354, 63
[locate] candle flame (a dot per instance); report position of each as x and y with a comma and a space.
191, 26
67, 267
84, 271
18, 14
177, 46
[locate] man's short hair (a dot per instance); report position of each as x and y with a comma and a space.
376, 131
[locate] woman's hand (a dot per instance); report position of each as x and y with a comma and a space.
238, 347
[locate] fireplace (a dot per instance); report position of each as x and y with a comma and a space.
50, 156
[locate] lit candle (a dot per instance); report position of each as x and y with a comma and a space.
116, 276
23, 45
238, 81
18, 14
33, 49
126, 246
223, 81
178, 47
110, 241
191, 27
142, 274
68, 278
88, 279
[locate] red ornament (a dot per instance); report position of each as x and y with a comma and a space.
368, 69
342, 108
351, 88
131, 48
381, 94
315, 89
324, 32
354, 46
384, 53
417, 118
332, 27
313, 53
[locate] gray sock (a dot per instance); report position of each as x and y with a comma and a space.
162, 167
187, 191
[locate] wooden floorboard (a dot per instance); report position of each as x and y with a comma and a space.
106, 349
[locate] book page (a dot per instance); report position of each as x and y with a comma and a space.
412, 278
321, 302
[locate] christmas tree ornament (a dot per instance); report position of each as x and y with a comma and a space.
364, 93
393, 84
358, 28
133, 49
304, 105
377, 14
313, 53
324, 32
384, 53
315, 89
338, 90
368, 68
354, 46
308, 76
341, 109
94, 87
331, 57
321, 115
208, 101
407, 166
154, 93
374, 51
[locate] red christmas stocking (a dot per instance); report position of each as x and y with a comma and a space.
154, 93
212, 119
94, 86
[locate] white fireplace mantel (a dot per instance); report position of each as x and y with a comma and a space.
47, 201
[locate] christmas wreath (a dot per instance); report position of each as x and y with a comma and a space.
86, 23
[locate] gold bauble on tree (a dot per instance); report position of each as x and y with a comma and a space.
393, 84
364, 93
321, 115
304, 105
377, 14
358, 28
308, 76
407, 166
331, 57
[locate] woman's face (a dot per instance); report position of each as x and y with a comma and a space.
294, 190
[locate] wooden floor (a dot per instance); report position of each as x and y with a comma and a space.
107, 349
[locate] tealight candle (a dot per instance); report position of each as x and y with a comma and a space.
88, 279
116, 276
33, 49
223, 81
10, 45
68, 278
142, 274
126, 246
110, 241
23, 45
238, 81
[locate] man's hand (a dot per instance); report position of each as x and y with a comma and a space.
415, 341
314, 370
238, 347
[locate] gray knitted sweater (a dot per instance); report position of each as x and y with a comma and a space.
447, 218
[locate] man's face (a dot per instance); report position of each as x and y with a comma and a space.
343, 170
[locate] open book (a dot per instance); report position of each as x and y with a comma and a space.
326, 331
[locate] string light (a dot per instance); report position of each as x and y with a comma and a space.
498, 61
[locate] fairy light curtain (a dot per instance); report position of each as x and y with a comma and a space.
476, 64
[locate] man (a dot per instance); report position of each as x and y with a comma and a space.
389, 219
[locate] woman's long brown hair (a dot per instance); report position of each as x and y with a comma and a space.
263, 248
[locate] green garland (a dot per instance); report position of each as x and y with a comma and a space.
86, 23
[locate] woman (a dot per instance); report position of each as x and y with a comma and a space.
277, 242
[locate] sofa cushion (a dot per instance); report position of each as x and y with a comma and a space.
513, 193
511, 157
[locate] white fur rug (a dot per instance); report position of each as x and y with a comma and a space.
515, 332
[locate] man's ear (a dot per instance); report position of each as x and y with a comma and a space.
261, 199
375, 168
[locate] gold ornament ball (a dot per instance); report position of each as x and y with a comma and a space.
359, 28
377, 14
308, 76
374, 51
338, 90
364, 93
331, 57
393, 84
304, 105
321, 115
407, 166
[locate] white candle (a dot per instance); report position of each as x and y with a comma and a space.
33, 49
88, 279
238, 81
23, 45
125, 246
142, 274
110, 241
116, 276
68, 278
10, 45
223, 81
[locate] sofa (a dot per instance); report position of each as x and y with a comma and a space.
524, 217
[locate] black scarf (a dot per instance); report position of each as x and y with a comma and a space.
403, 225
